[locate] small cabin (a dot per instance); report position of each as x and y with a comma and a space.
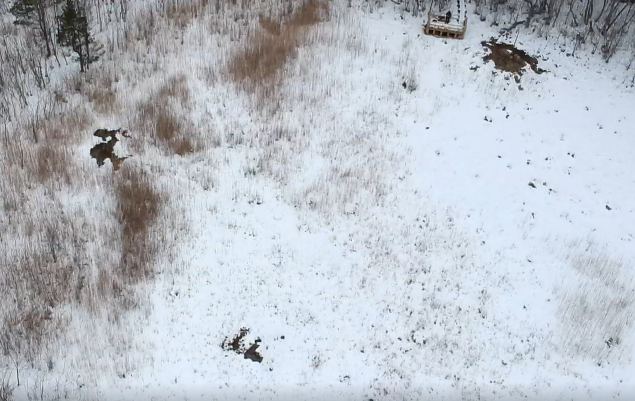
451, 24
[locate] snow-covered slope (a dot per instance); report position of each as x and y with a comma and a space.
462, 237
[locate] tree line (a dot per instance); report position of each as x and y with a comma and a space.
42, 33
57, 23
605, 25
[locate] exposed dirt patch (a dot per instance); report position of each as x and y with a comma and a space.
106, 150
238, 345
507, 57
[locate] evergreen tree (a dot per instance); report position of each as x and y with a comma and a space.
74, 32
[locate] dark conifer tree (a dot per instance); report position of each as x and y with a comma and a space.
74, 32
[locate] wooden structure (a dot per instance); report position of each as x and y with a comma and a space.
451, 24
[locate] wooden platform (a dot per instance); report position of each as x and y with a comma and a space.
436, 26
452, 23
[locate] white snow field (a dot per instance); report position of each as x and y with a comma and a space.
465, 237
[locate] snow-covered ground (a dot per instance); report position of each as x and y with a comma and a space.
467, 239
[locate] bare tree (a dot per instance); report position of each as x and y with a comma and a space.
36, 14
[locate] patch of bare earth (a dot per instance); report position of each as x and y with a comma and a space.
509, 58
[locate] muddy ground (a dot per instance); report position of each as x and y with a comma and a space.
509, 58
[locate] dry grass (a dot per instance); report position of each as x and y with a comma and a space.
6, 390
37, 280
103, 98
63, 247
167, 126
138, 206
598, 310
176, 88
49, 259
164, 115
52, 164
27, 165
269, 25
257, 66
182, 12
99, 86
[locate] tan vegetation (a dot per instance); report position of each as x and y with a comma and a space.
257, 66
164, 116
181, 13
103, 97
138, 206
88, 237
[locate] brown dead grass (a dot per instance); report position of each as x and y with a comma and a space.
138, 206
258, 65
168, 126
104, 99
60, 253
99, 87
176, 87
48, 162
269, 25
52, 164
37, 280
181, 12
164, 116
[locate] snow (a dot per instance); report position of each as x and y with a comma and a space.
401, 252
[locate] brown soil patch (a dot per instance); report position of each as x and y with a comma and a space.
507, 57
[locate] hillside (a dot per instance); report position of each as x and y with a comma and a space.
320, 202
